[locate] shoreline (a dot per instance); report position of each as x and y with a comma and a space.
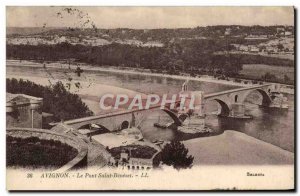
222, 150
112, 69
87, 94
135, 71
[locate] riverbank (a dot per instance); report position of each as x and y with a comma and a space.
126, 70
235, 148
122, 70
90, 93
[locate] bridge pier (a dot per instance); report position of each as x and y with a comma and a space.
233, 110
238, 110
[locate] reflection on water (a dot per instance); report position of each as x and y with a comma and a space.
270, 125
276, 127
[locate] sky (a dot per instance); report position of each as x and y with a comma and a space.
148, 17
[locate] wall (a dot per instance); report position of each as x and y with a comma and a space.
80, 161
21, 117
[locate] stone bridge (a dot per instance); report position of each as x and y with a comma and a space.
121, 119
227, 99
130, 118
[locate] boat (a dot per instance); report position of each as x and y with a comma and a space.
160, 126
246, 116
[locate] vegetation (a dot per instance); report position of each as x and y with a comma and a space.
268, 77
186, 56
286, 78
262, 72
56, 99
193, 51
176, 154
175, 59
36, 153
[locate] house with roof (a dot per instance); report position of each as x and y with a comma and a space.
23, 111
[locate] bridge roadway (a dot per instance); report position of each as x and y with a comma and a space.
235, 90
109, 114
115, 120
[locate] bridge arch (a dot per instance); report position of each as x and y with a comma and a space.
125, 125
182, 117
266, 99
173, 115
224, 107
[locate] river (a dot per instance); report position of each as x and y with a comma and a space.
275, 127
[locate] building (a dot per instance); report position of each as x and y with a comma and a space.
139, 164
132, 161
244, 48
254, 49
23, 111
288, 33
280, 30
227, 31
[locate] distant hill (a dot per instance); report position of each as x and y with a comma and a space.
156, 34
27, 30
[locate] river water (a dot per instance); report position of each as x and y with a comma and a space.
273, 126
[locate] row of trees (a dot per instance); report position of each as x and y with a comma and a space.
175, 58
207, 56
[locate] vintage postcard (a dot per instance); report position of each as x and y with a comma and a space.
150, 98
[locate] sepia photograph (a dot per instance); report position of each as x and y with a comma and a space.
188, 98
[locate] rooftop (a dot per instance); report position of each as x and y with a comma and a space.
13, 97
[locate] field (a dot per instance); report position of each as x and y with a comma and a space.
256, 71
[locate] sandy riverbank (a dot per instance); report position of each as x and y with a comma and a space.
90, 93
92, 89
61, 65
235, 148
126, 70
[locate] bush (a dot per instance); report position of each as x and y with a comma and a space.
35, 153
237, 80
269, 77
176, 154
286, 78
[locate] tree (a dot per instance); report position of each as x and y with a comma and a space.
286, 78
176, 154
56, 99
269, 77
280, 47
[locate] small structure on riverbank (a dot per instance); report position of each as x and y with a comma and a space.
23, 111
194, 124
